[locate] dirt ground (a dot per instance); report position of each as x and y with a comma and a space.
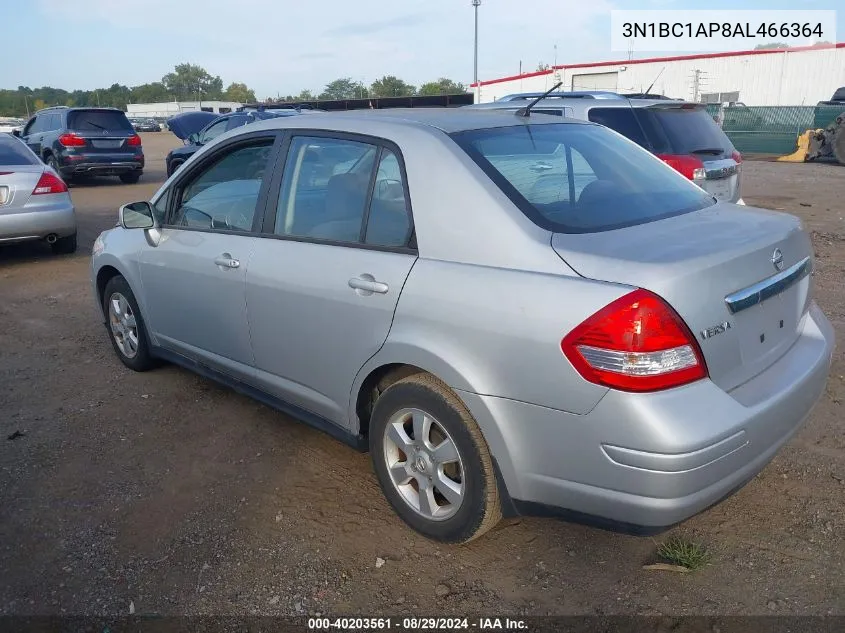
168, 493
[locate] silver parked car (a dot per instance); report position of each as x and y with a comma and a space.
34, 200
680, 133
513, 314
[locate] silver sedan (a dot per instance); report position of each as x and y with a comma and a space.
34, 200
513, 314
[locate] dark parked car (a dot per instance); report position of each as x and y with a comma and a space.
146, 125
86, 141
200, 128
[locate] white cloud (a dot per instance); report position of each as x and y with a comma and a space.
277, 46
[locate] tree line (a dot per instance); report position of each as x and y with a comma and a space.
189, 82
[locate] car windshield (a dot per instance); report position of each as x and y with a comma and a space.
13, 152
98, 120
574, 178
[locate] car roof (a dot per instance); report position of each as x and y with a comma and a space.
448, 120
578, 102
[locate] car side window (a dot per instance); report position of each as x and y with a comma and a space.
621, 120
37, 125
236, 121
224, 195
211, 133
389, 220
55, 122
325, 188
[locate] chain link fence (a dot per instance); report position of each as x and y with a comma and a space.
770, 129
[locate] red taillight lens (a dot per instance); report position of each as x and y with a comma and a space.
72, 140
637, 343
134, 141
737, 157
49, 183
689, 166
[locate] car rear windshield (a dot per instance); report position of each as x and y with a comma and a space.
98, 120
673, 130
14, 152
580, 178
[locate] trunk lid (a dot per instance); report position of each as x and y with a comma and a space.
16, 185
698, 262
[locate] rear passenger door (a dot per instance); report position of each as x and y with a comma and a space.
324, 281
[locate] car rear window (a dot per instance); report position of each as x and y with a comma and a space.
683, 131
98, 120
578, 178
623, 121
14, 152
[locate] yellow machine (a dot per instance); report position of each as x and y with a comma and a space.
826, 142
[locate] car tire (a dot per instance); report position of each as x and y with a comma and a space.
174, 166
53, 164
130, 342
413, 474
130, 178
64, 245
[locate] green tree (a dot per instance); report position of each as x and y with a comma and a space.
240, 93
155, 92
344, 88
391, 86
305, 95
188, 82
770, 45
442, 86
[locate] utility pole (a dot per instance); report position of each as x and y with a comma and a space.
476, 4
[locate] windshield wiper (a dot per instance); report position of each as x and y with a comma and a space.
95, 125
716, 151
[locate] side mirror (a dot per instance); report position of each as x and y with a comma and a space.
194, 139
137, 215
16, 132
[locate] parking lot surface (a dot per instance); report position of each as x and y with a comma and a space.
164, 493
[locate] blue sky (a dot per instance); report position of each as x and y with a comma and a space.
284, 46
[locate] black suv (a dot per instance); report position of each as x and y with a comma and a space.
86, 141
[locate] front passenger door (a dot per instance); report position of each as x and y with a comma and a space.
194, 279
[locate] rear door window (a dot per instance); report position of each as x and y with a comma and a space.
622, 120
98, 121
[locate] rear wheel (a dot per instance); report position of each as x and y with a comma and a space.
839, 141
126, 325
130, 178
53, 164
174, 166
64, 245
432, 461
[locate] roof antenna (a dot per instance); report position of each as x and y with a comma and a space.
648, 90
526, 111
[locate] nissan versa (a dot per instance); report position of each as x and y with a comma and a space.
513, 312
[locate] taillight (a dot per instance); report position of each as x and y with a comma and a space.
637, 343
689, 166
72, 140
737, 157
134, 141
49, 183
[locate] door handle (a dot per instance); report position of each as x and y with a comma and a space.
367, 285
227, 261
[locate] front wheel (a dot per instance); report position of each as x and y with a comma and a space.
126, 325
432, 461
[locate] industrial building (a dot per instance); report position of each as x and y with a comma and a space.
772, 77
170, 108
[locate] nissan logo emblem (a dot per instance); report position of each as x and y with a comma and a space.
777, 259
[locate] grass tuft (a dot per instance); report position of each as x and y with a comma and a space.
680, 551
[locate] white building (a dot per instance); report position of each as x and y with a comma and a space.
170, 108
798, 76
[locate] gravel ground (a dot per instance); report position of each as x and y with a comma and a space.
162, 493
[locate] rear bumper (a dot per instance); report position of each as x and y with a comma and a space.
653, 460
37, 225
107, 164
